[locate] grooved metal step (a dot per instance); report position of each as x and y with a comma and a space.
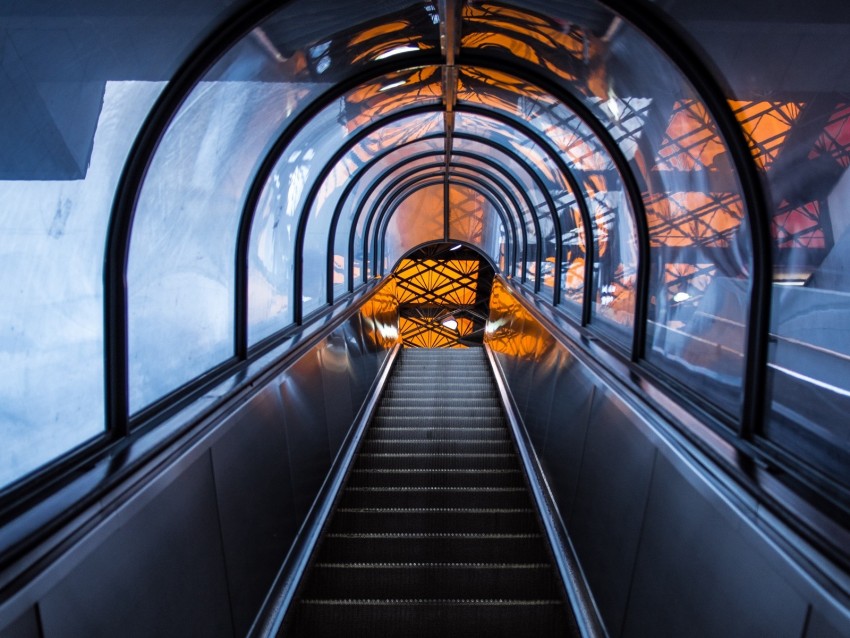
389, 433
454, 477
435, 445
433, 580
434, 547
432, 496
434, 532
453, 460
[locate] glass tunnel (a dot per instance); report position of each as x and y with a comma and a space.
193, 194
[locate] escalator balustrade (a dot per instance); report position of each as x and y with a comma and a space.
434, 532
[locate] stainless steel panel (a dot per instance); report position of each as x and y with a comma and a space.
368, 357
306, 430
542, 392
336, 384
606, 520
25, 626
701, 573
360, 381
161, 573
573, 390
254, 490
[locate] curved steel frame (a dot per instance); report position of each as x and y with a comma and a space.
507, 174
367, 224
658, 28
531, 213
355, 178
315, 188
649, 20
434, 242
633, 187
380, 229
406, 180
457, 178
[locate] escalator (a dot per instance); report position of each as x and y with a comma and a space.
434, 532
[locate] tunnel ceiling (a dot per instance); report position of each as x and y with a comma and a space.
643, 168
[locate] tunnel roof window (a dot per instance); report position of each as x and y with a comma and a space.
72, 98
594, 162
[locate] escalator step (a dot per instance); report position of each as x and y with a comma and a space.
439, 445
428, 433
401, 496
419, 547
434, 421
453, 477
444, 411
419, 618
426, 460
440, 401
519, 520
434, 532
433, 580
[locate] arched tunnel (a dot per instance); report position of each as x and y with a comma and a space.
594, 247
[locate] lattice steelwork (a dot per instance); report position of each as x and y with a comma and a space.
798, 226
693, 219
835, 138
691, 141
530, 37
442, 298
467, 215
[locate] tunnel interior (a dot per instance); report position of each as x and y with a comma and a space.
205, 202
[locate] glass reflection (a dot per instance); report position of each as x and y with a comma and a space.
397, 134
794, 111
688, 187
72, 98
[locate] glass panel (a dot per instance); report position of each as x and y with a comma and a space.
379, 198
505, 213
699, 288
318, 225
417, 219
473, 219
285, 193
400, 156
603, 189
181, 269
73, 97
526, 192
536, 159
793, 106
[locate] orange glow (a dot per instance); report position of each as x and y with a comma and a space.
379, 313
693, 219
766, 125
376, 32
372, 101
541, 41
437, 283
466, 215
691, 142
435, 288
507, 312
